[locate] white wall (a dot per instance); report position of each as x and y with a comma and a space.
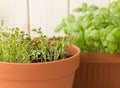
14, 13
4, 10
47, 14
43, 13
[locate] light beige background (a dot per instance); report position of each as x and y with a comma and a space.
43, 13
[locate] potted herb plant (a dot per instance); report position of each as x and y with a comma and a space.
97, 33
39, 62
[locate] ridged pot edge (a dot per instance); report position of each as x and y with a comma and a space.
100, 58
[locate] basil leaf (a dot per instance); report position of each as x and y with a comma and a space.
58, 28
112, 47
70, 18
92, 8
103, 11
77, 9
84, 7
113, 4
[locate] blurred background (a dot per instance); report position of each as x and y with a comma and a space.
42, 13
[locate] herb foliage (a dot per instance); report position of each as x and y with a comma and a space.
96, 30
18, 47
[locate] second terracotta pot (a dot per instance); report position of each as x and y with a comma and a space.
98, 70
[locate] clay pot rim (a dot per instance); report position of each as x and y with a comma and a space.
100, 57
51, 62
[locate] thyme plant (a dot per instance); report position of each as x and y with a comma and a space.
47, 49
18, 47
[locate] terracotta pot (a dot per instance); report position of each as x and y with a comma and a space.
98, 70
56, 74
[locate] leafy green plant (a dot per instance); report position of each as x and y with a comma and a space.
96, 30
18, 47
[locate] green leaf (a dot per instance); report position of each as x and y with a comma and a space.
87, 37
77, 39
75, 27
80, 19
116, 20
34, 30
97, 20
116, 33
68, 29
90, 16
17, 29
118, 1
63, 23
71, 18
92, 8
58, 28
112, 47
103, 11
77, 9
109, 29
113, 4
111, 38
65, 30
95, 34
105, 43
84, 7
85, 24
